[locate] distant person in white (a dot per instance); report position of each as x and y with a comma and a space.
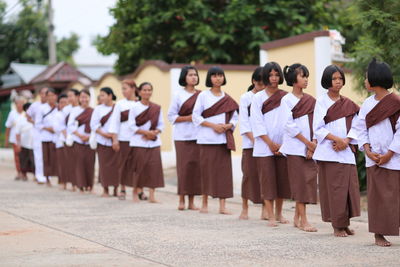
13, 117
32, 114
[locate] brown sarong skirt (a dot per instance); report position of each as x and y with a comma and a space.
188, 167
84, 166
50, 167
108, 166
148, 171
339, 192
61, 168
125, 163
273, 175
383, 200
216, 171
27, 160
69, 165
303, 179
250, 181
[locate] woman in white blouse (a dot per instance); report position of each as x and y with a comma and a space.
146, 123
185, 137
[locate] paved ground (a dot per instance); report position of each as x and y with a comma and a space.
41, 226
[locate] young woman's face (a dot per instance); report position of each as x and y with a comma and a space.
84, 99
217, 79
337, 82
192, 78
43, 95
274, 78
258, 85
302, 80
72, 98
62, 103
146, 92
128, 91
51, 98
19, 105
105, 98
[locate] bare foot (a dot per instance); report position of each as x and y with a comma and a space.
349, 231
282, 219
193, 207
244, 215
308, 228
381, 241
225, 212
181, 206
105, 195
339, 232
296, 222
136, 200
154, 201
204, 210
272, 223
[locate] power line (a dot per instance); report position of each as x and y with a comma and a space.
11, 8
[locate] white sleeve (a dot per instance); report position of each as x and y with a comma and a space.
244, 116
95, 120
353, 133
291, 127
160, 124
198, 110
10, 119
173, 109
115, 120
132, 120
362, 131
395, 145
58, 123
257, 118
320, 132
39, 120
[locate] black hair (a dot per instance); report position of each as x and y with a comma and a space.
213, 71
379, 74
61, 96
109, 91
26, 106
143, 84
256, 76
85, 91
291, 72
326, 80
270, 66
75, 91
51, 90
184, 72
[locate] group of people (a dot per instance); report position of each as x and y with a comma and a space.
294, 146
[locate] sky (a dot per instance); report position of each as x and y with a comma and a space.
87, 18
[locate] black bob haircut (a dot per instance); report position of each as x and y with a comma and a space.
84, 91
143, 84
26, 106
292, 71
256, 76
75, 91
51, 90
213, 71
326, 80
61, 96
184, 73
267, 70
379, 74
109, 91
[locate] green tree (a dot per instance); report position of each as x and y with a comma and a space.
209, 31
24, 37
378, 26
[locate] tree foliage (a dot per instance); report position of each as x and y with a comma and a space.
378, 26
24, 37
209, 31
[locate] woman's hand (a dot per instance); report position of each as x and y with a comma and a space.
340, 144
385, 158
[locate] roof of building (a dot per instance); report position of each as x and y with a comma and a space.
293, 40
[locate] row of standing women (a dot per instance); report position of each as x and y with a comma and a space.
290, 140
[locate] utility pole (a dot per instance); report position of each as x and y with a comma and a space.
51, 39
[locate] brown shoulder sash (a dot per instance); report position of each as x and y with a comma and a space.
105, 118
150, 114
273, 101
305, 106
342, 108
228, 106
124, 115
84, 119
388, 107
187, 107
